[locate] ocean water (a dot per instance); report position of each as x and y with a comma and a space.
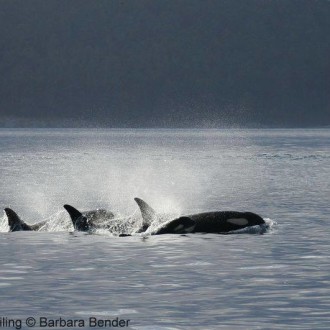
276, 280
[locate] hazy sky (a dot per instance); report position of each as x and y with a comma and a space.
165, 63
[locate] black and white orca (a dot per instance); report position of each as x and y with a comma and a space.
17, 224
208, 222
89, 220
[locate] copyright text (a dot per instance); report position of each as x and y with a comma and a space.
46, 322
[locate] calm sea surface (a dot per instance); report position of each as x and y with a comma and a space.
278, 280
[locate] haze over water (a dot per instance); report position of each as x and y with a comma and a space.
279, 280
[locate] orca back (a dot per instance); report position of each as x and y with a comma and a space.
226, 221
14, 221
182, 225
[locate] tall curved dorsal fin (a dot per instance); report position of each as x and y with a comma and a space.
14, 221
73, 212
79, 221
149, 215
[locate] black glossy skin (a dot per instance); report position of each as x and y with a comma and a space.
210, 222
82, 224
216, 222
181, 225
16, 224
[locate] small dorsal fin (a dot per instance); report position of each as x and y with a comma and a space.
149, 215
14, 221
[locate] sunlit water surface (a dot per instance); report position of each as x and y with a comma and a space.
278, 280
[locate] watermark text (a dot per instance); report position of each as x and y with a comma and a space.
61, 322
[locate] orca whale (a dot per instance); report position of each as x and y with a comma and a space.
220, 222
17, 224
89, 220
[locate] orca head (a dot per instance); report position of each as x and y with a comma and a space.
79, 221
14, 221
254, 219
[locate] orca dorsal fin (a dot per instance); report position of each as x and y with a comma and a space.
149, 215
14, 221
73, 212
79, 221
